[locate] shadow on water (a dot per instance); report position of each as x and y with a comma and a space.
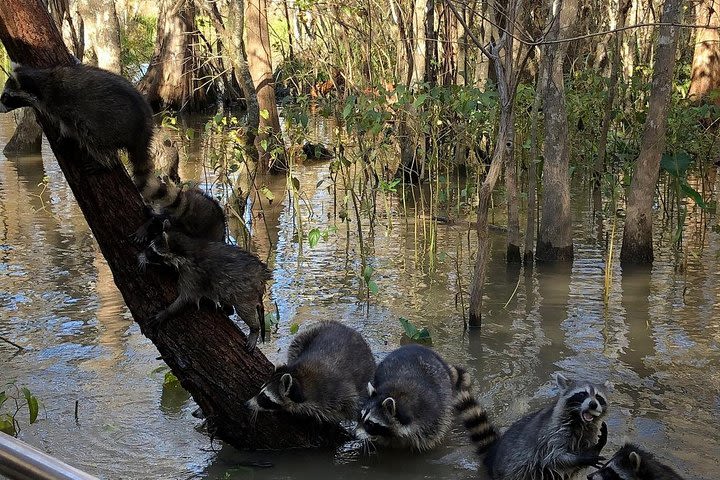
657, 339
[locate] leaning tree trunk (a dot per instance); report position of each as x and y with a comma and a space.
554, 243
259, 58
204, 349
28, 134
102, 33
706, 58
637, 245
173, 79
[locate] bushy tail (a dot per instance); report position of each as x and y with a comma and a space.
474, 417
143, 166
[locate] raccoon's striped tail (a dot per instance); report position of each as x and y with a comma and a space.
143, 166
474, 417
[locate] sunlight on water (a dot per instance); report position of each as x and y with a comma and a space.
657, 340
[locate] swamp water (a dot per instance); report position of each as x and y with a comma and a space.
657, 340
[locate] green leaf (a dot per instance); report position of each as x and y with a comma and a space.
190, 133
372, 286
313, 237
170, 380
7, 425
3, 398
420, 100
423, 334
296, 184
348, 107
32, 403
676, 164
367, 273
410, 330
265, 191
294, 327
264, 114
264, 144
689, 191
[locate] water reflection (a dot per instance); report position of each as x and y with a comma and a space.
657, 340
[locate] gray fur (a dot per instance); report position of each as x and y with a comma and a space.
633, 463
189, 210
412, 400
327, 370
224, 274
100, 110
167, 155
555, 442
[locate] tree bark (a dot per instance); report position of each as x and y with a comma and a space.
204, 349
623, 7
706, 58
531, 223
259, 59
637, 245
173, 78
554, 242
28, 134
102, 33
512, 252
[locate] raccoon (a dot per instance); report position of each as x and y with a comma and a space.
413, 398
324, 378
102, 111
189, 210
633, 463
555, 442
221, 273
167, 156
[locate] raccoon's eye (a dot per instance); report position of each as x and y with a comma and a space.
577, 398
601, 400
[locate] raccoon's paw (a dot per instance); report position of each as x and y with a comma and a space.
602, 440
590, 459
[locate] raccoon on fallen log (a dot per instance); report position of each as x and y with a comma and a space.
100, 110
224, 274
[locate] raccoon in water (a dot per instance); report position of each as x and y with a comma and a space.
633, 463
413, 399
555, 442
189, 210
325, 376
224, 274
100, 110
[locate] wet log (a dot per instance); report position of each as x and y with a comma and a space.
204, 349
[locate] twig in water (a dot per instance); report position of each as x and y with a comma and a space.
19, 347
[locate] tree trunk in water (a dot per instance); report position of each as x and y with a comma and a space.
230, 27
259, 59
102, 33
554, 243
28, 134
173, 77
531, 224
431, 44
637, 245
512, 254
204, 349
706, 58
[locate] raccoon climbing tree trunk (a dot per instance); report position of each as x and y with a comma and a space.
204, 349
637, 246
259, 57
174, 77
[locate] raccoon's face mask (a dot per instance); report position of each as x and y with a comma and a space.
380, 416
588, 400
624, 465
281, 392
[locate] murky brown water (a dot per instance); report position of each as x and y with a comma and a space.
657, 341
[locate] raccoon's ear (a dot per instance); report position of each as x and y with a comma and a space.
562, 381
635, 461
371, 389
389, 405
166, 225
286, 382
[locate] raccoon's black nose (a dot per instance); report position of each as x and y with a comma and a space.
593, 405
